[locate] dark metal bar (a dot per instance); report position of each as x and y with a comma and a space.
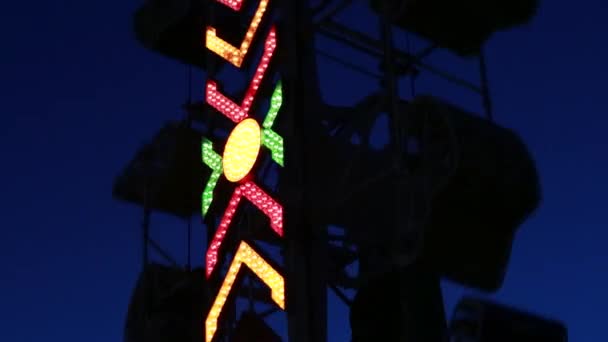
306, 243
390, 79
145, 233
408, 43
349, 65
334, 11
369, 45
250, 301
346, 281
145, 225
267, 313
189, 258
485, 87
342, 37
397, 123
162, 252
341, 295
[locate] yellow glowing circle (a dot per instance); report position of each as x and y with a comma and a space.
242, 150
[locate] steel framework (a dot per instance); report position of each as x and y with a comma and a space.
312, 264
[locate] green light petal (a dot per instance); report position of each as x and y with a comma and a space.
214, 161
270, 138
275, 105
274, 143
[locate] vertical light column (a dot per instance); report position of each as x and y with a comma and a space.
237, 164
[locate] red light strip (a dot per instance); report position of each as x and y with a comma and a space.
261, 200
234, 4
226, 106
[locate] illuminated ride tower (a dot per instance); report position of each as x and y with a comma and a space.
290, 202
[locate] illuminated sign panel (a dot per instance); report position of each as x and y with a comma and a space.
237, 163
269, 138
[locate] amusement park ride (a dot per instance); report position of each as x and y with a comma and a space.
290, 203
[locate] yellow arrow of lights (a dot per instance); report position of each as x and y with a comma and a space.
231, 53
247, 256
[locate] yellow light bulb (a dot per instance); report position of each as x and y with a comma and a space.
242, 149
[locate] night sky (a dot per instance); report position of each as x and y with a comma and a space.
79, 96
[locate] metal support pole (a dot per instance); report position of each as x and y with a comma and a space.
391, 94
390, 78
485, 87
306, 240
145, 227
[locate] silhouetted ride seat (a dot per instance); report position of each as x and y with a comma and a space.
400, 301
461, 26
480, 179
176, 28
167, 305
481, 320
168, 171
491, 192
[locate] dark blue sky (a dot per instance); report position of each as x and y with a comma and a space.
78, 97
